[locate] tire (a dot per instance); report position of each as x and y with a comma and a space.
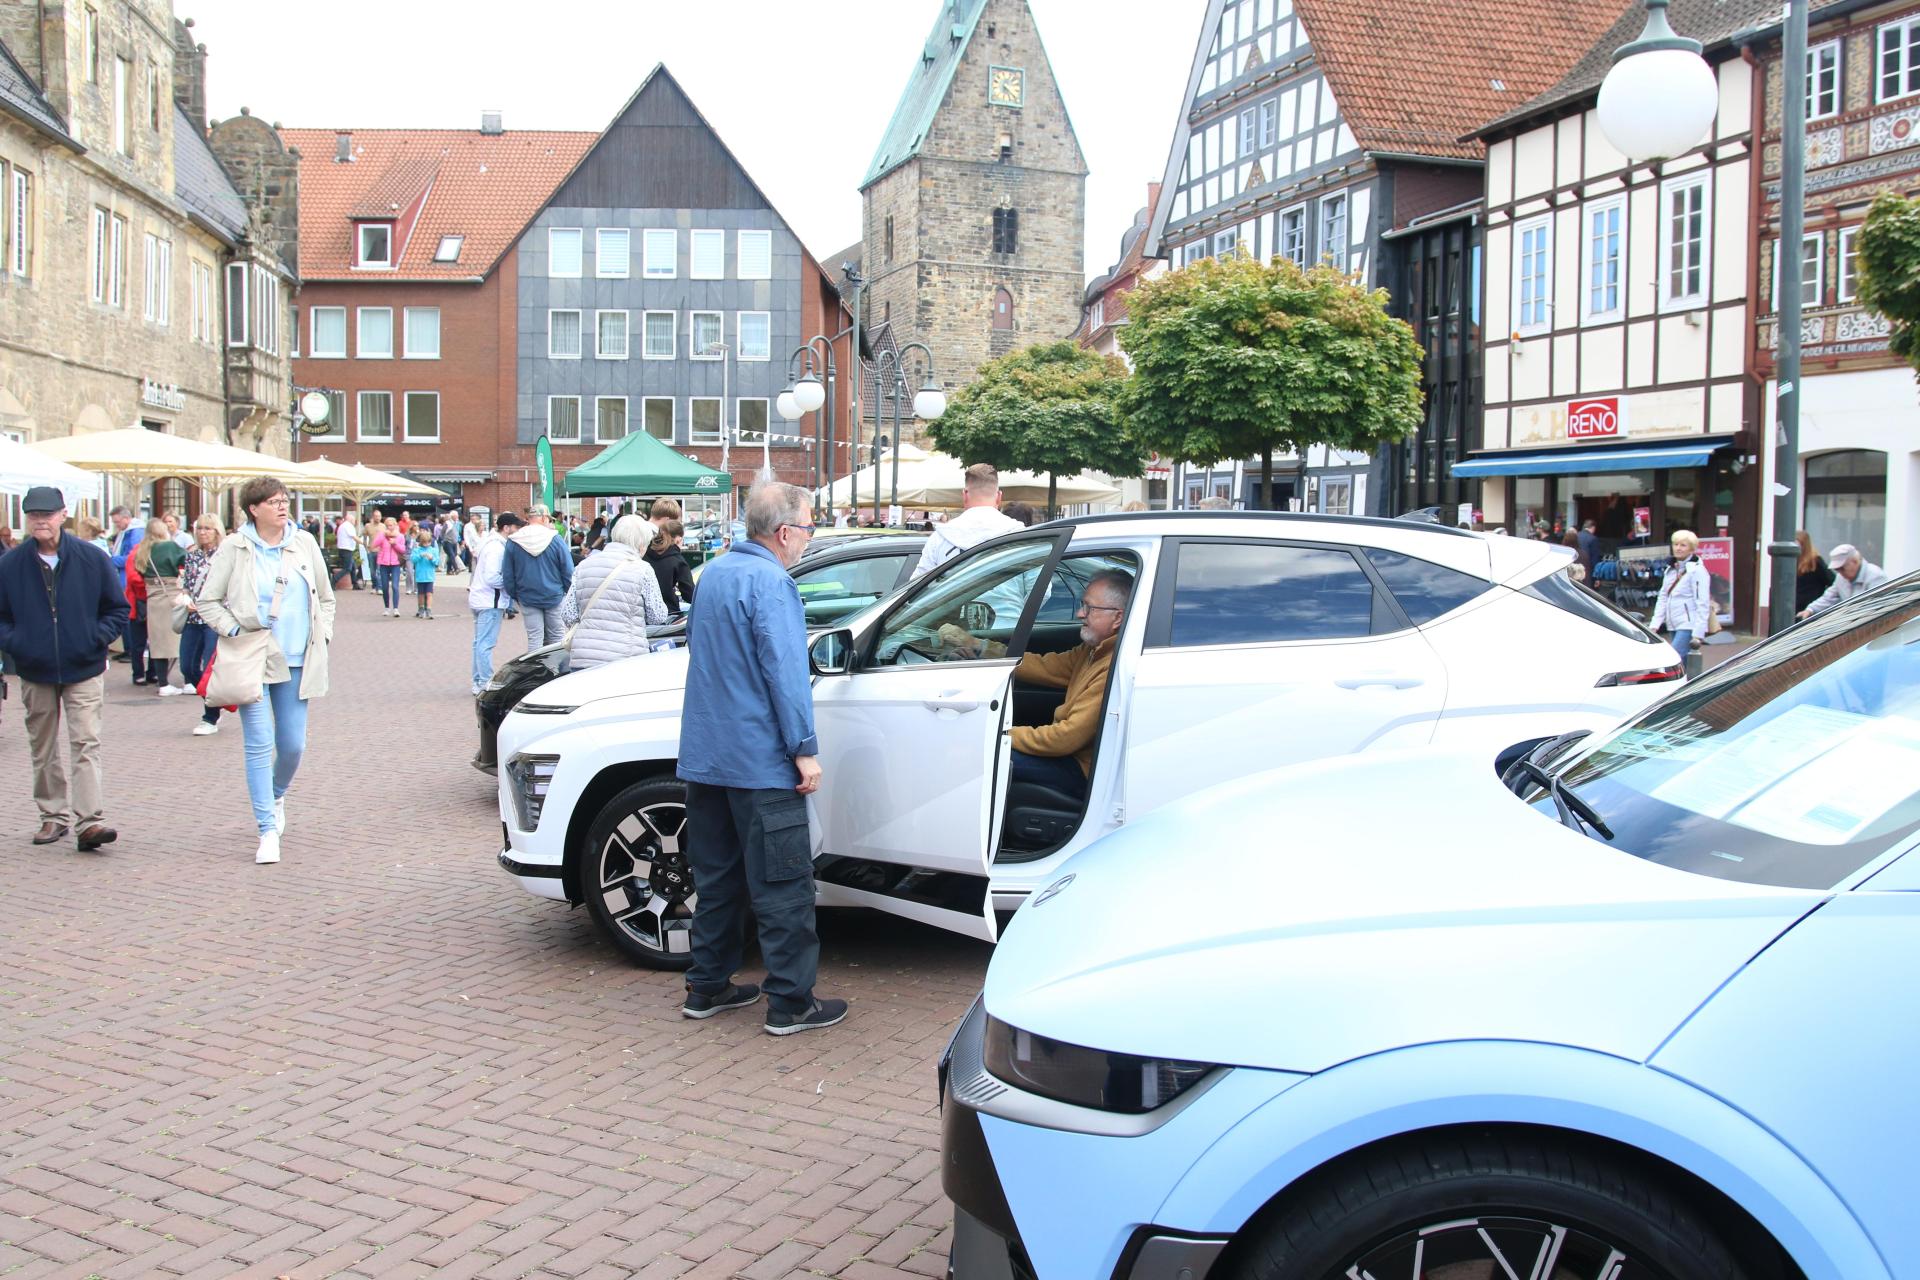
1459, 1197
634, 875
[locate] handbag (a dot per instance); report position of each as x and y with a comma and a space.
180, 615
238, 675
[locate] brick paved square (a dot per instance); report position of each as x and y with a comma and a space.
381, 1058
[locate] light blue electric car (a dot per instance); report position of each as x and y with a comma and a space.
1642, 1005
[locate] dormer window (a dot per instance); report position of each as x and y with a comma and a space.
376, 244
449, 250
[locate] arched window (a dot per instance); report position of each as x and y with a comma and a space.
1002, 308
1847, 501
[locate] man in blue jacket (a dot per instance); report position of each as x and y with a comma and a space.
536, 573
61, 604
747, 754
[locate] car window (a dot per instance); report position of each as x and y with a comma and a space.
967, 610
1562, 592
1425, 590
1257, 592
1795, 766
835, 591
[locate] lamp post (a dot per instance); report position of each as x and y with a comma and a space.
726, 430
1658, 102
929, 403
806, 393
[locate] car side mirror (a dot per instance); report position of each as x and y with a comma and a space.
832, 653
976, 616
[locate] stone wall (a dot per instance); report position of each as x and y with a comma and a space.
267, 175
190, 73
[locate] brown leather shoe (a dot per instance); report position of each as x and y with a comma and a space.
95, 836
50, 831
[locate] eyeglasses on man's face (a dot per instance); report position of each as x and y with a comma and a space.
806, 528
1099, 608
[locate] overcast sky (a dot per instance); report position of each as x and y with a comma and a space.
799, 89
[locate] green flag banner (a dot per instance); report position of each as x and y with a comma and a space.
543, 458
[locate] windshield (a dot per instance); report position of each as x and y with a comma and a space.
1794, 767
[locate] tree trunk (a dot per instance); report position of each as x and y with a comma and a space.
1053, 490
1266, 480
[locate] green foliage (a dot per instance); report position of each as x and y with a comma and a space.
1890, 270
1234, 358
1052, 408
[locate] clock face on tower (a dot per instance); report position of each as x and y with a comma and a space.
1006, 86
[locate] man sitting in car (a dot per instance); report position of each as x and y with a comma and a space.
1060, 754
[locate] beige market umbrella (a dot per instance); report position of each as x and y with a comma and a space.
1071, 491
136, 455
356, 483
927, 480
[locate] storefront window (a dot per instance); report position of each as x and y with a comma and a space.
1683, 504
1847, 501
1620, 503
1529, 503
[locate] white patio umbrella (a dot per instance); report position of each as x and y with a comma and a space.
22, 468
1028, 486
136, 455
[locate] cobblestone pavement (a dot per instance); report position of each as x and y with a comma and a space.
381, 1058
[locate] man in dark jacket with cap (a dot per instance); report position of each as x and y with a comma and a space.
61, 604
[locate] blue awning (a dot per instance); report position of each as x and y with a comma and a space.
1565, 462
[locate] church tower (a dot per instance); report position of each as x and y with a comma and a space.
975, 203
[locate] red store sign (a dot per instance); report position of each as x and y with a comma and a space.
1597, 419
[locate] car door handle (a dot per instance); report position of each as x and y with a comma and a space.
1380, 681
949, 703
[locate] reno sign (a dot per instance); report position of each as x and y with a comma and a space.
1595, 419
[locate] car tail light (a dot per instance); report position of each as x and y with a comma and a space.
1655, 675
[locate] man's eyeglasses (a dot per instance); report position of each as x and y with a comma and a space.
1096, 608
806, 527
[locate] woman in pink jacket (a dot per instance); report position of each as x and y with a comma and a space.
389, 553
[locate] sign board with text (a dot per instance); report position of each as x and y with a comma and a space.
1595, 418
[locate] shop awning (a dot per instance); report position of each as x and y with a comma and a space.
1567, 462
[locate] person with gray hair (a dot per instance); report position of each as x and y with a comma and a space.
1059, 754
1853, 574
614, 598
1215, 503
748, 757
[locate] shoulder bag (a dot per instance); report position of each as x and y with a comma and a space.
239, 673
595, 599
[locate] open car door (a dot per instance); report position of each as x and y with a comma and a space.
913, 742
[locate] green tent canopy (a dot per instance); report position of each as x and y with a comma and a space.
642, 465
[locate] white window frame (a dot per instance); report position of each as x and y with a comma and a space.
149, 276
20, 221
406, 333
99, 287
1817, 242
91, 47
601, 236
122, 108
1303, 259
200, 287
718, 241
672, 409
626, 408
1827, 52
600, 351
1269, 124
1340, 252
1522, 231
580, 336
361, 261
266, 310
673, 336
163, 283
659, 263
440, 253
360, 351
693, 328
1249, 136
235, 297
554, 236
313, 334
360, 417
740, 255
1097, 315
1848, 281
720, 433
740, 337
406, 414
1907, 74
740, 434
579, 424
1669, 300
116, 261
1590, 241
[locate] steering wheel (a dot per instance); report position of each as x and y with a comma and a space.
920, 655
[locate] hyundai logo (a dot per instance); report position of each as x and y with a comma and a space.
1040, 898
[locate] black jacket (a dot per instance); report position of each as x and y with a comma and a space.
676, 580
60, 637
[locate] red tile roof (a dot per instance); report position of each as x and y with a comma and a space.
1416, 76
484, 187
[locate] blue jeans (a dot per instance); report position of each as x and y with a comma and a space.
389, 575
276, 735
196, 648
1062, 773
486, 633
1683, 642
751, 848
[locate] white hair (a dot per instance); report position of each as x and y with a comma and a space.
633, 531
771, 505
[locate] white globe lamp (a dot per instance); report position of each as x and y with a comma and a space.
788, 405
1660, 99
930, 402
809, 394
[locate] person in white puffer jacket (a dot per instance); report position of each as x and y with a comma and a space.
1684, 607
615, 597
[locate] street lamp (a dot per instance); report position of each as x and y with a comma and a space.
1659, 101
806, 394
929, 403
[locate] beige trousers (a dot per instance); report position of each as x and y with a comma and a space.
80, 705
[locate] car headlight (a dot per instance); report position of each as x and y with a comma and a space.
530, 776
1085, 1077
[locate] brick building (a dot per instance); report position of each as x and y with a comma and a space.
409, 302
137, 286
974, 218
1104, 315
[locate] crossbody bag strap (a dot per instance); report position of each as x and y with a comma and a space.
602, 588
279, 592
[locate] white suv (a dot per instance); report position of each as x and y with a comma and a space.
1252, 640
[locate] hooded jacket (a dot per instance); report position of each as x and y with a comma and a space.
485, 591
59, 637
675, 579
538, 568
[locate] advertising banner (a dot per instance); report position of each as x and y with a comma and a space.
1717, 555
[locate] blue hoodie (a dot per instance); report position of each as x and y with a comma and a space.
538, 568
295, 626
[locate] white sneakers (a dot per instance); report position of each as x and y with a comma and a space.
269, 850
205, 728
172, 690
280, 816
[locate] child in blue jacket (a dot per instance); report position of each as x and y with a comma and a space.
426, 558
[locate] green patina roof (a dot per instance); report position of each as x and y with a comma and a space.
946, 46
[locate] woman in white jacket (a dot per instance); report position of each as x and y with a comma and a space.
614, 598
1685, 603
487, 597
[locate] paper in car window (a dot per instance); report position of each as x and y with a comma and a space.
1830, 800
1757, 760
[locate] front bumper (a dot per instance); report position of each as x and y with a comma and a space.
986, 1238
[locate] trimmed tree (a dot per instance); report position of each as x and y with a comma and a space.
1052, 408
1890, 270
1234, 358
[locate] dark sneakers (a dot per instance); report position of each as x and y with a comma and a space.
737, 996
821, 1013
